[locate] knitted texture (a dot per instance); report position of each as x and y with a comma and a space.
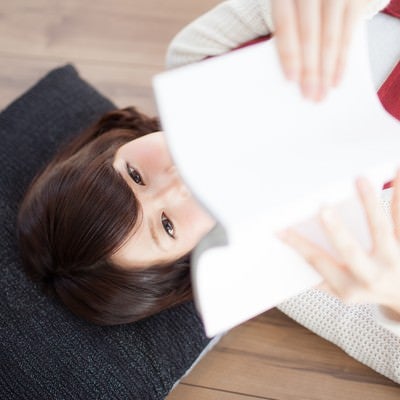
45, 351
351, 327
227, 26
379, 313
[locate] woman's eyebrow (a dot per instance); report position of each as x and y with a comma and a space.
153, 232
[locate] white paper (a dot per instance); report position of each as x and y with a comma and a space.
260, 157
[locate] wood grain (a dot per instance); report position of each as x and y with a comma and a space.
185, 391
272, 356
117, 46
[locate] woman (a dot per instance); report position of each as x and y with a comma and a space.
108, 225
118, 258
110, 233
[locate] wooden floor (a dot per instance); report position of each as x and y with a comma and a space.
118, 46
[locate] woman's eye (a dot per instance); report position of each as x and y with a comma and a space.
168, 225
134, 174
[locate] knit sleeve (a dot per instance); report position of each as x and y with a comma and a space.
227, 26
354, 328
385, 317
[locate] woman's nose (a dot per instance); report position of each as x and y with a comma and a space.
176, 191
171, 187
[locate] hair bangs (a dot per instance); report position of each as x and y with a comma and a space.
103, 211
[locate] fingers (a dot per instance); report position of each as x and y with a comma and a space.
309, 27
349, 17
332, 21
353, 256
287, 38
379, 224
333, 272
356, 274
312, 38
297, 33
324, 287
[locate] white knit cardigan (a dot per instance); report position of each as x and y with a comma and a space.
361, 330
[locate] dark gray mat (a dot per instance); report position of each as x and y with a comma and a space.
45, 351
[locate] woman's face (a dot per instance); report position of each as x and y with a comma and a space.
170, 222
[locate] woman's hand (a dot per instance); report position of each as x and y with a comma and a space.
312, 38
359, 276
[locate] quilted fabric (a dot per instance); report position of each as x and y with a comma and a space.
45, 351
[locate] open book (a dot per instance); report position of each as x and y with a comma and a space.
260, 158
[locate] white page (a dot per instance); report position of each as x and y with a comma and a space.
260, 157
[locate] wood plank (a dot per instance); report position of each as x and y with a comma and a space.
188, 392
289, 344
117, 46
124, 84
121, 31
274, 357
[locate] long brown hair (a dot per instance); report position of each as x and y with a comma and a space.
74, 216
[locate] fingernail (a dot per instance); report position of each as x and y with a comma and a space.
292, 74
320, 94
327, 214
309, 90
337, 78
324, 90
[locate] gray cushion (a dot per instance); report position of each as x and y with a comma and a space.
45, 351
